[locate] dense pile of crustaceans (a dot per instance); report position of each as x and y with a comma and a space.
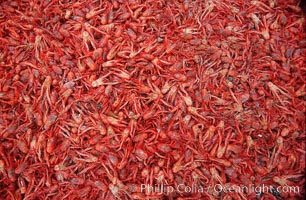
115, 99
